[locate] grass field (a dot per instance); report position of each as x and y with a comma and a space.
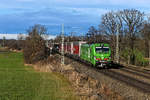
19, 82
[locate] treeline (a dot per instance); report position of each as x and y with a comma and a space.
12, 44
33, 46
133, 27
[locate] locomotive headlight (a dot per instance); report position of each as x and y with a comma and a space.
109, 58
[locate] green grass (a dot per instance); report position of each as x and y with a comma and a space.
19, 82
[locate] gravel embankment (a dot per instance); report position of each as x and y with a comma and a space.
94, 84
125, 90
144, 78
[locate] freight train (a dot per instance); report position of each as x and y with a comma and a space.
97, 54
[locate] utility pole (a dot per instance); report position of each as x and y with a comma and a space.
81, 33
117, 45
82, 37
62, 45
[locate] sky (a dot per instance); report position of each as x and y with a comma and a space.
16, 16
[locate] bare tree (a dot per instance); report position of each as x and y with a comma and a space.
20, 36
91, 35
108, 26
4, 39
146, 37
133, 21
35, 48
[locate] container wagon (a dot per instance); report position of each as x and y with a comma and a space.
97, 54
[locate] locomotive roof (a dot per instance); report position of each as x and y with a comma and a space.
97, 44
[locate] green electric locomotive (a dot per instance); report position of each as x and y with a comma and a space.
98, 54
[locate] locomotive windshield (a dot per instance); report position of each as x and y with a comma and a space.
102, 49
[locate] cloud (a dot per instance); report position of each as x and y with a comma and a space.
52, 18
107, 3
16, 16
25, 0
39, 4
15, 36
10, 36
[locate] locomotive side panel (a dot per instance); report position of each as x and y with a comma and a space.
77, 47
85, 52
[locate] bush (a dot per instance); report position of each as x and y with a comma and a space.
136, 54
139, 58
35, 49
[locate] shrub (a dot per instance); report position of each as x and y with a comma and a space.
136, 54
35, 49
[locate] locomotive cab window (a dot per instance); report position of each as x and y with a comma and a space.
102, 49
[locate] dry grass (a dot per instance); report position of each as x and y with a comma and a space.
109, 93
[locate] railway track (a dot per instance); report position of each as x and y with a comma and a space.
136, 83
134, 71
140, 85
138, 70
144, 75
